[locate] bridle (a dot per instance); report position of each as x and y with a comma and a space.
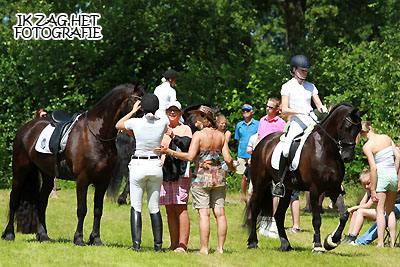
131, 95
339, 141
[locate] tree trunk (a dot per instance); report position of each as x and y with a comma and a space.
295, 28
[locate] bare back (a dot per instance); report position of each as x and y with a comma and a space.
211, 139
378, 143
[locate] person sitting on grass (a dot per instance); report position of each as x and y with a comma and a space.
361, 211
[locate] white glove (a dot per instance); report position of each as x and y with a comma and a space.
324, 109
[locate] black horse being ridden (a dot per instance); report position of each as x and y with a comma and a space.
321, 169
90, 157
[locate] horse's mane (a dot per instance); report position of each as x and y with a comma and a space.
335, 107
121, 87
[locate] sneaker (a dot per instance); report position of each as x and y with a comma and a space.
346, 239
279, 190
354, 243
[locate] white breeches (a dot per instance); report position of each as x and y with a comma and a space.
145, 173
296, 127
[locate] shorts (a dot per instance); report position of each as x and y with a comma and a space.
386, 181
176, 192
241, 168
294, 196
211, 197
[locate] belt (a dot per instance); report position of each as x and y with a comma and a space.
145, 157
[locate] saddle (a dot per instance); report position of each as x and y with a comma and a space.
61, 120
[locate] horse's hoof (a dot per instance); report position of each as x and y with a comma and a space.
329, 244
43, 238
8, 236
318, 250
122, 201
95, 241
285, 248
252, 245
78, 241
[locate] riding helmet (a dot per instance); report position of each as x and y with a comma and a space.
150, 103
171, 74
301, 62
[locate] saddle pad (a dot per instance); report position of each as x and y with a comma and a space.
42, 144
276, 155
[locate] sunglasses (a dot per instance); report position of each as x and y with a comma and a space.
246, 110
43, 115
270, 107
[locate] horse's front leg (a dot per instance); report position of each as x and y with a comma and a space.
333, 240
122, 198
81, 195
316, 222
98, 212
280, 220
47, 186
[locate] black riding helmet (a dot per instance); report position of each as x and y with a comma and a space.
149, 103
301, 62
171, 74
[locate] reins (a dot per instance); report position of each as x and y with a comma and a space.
339, 143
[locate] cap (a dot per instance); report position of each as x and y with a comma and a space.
175, 103
247, 106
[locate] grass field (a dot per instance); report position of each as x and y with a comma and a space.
115, 234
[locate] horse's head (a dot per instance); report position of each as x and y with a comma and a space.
344, 124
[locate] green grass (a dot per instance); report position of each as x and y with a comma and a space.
115, 234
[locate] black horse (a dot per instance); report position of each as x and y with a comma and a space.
321, 169
90, 157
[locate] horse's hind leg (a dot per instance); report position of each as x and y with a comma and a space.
22, 170
253, 210
81, 195
333, 240
98, 212
47, 186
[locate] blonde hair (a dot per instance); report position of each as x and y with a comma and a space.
365, 128
220, 118
365, 173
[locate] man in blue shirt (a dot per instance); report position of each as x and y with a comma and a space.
243, 131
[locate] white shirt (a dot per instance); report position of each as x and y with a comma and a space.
299, 97
165, 94
253, 141
148, 133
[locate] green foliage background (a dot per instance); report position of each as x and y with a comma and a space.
227, 52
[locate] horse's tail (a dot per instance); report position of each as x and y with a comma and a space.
28, 199
261, 202
124, 148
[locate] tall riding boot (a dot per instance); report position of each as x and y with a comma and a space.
136, 228
156, 224
279, 189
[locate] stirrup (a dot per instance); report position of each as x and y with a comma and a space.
279, 190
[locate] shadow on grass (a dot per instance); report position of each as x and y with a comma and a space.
328, 213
